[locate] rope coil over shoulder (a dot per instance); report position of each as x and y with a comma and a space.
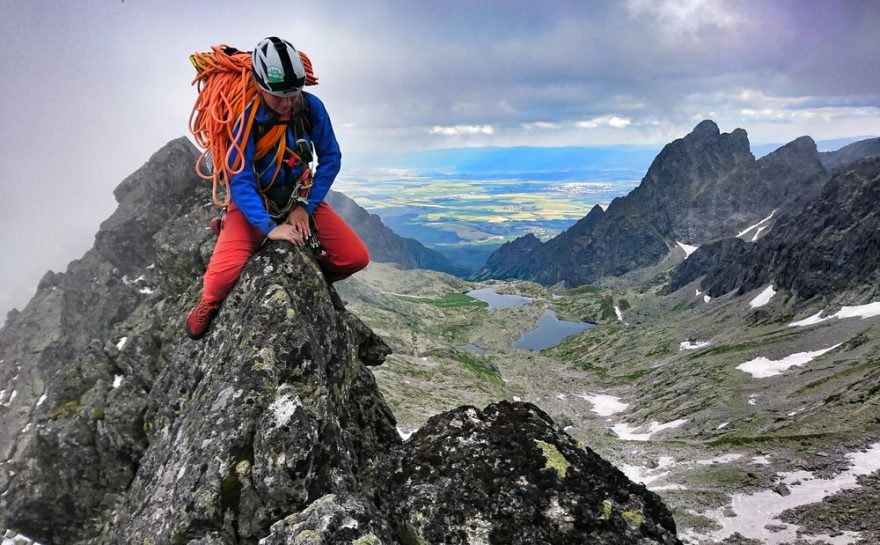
225, 88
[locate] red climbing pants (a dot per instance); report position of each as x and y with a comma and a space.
239, 240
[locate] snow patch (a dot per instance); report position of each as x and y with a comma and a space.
121, 343
8, 402
693, 345
762, 367
11, 538
756, 511
758, 233
117, 381
723, 459
750, 227
753, 399
145, 290
638, 433
814, 319
763, 298
646, 475
404, 434
603, 404
42, 399
722, 425
761, 460
706, 298
619, 314
862, 311
560, 396
688, 249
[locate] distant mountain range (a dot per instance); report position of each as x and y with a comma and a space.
700, 188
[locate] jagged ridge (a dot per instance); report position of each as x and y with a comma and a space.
125, 430
699, 188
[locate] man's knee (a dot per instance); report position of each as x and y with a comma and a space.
360, 259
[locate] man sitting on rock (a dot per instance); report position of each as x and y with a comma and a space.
269, 198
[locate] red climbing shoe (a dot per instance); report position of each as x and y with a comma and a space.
199, 320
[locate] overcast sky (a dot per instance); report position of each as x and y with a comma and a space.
91, 88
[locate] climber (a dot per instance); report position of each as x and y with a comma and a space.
278, 200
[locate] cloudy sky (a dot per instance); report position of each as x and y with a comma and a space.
91, 88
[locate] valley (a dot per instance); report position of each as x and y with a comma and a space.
656, 390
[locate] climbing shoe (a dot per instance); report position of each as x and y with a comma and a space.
199, 320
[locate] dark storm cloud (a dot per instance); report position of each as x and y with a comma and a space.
519, 62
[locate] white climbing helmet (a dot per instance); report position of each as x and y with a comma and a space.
277, 67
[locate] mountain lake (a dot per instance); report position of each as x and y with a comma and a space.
550, 331
498, 300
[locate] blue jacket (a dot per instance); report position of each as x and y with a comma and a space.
243, 186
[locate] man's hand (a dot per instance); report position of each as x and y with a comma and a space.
288, 233
298, 218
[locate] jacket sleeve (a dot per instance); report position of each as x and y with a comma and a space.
243, 189
327, 149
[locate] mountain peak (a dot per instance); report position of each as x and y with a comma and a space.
705, 128
803, 144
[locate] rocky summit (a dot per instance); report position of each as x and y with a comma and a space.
115, 428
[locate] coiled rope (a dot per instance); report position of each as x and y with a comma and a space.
225, 88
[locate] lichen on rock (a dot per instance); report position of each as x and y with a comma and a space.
555, 459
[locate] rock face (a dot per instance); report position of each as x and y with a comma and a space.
273, 412
828, 245
699, 188
115, 428
384, 244
507, 474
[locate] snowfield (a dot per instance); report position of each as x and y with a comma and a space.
688, 249
638, 433
861, 311
759, 226
762, 367
763, 298
605, 405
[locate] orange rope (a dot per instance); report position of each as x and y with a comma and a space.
226, 86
